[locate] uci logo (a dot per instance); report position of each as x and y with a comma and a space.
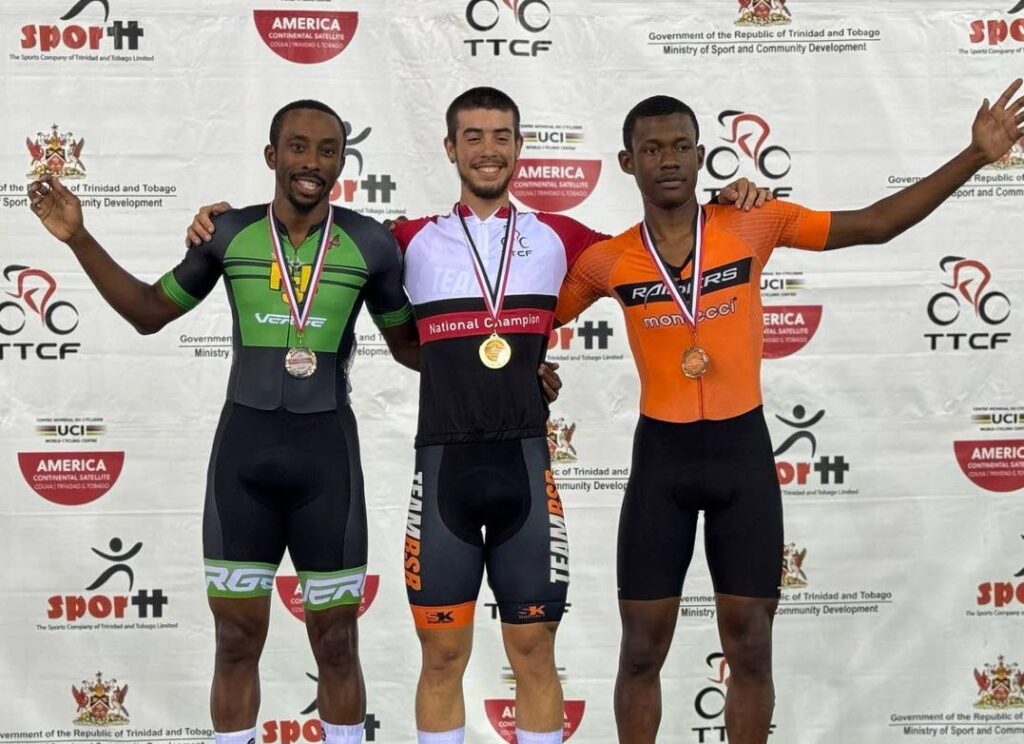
59, 317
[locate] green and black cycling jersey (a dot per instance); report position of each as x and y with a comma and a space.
363, 263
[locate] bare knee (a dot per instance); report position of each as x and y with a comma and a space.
531, 649
445, 652
336, 644
747, 643
239, 641
642, 652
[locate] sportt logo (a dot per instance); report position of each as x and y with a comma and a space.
746, 139
1000, 685
969, 280
56, 154
532, 16
763, 13
502, 714
997, 31
148, 603
31, 291
290, 590
310, 730
306, 36
124, 35
808, 468
1000, 594
374, 188
993, 464
552, 185
100, 702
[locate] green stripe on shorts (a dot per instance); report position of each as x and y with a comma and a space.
322, 590
238, 580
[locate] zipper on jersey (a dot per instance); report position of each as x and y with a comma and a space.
700, 385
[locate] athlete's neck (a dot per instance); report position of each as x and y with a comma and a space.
296, 221
483, 207
672, 229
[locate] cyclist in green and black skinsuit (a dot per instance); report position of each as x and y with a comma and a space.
285, 466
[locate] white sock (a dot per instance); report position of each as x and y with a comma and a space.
533, 737
336, 733
236, 737
455, 736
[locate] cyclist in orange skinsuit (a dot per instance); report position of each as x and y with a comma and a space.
701, 443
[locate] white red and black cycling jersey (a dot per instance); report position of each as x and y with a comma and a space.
461, 400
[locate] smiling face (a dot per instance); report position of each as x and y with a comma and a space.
485, 150
664, 159
307, 157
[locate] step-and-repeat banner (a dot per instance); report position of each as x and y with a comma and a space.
893, 384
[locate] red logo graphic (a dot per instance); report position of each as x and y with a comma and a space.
502, 714
100, 703
291, 594
994, 464
71, 478
306, 36
788, 328
554, 185
1000, 685
995, 32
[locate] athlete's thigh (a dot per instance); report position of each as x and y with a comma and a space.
444, 557
243, 533
528, 553
744, 538
658, 519
326, 523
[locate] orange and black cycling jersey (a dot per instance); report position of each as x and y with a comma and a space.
730, 325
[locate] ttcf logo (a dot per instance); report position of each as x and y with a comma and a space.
593, 334
532, 16
46, 38
968, 280
33, 290
828, 469
149, 603
747, 134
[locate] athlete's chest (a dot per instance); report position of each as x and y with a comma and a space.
728, 278
334, 269
445, 261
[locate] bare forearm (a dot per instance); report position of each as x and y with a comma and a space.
134, 300
408, 355
889, 217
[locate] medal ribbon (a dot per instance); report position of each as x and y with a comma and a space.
689, 313
494, 296
300, 315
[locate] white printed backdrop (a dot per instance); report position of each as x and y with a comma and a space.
894, 394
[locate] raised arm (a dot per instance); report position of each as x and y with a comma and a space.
996, 128
146, 306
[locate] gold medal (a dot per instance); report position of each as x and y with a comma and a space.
300, 362
495, 351
695, 362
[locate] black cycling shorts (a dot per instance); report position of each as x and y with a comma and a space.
280, 480
723, 468
490, 504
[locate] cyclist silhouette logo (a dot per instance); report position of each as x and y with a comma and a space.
119, 564
34, 289
969, 280
799, 412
